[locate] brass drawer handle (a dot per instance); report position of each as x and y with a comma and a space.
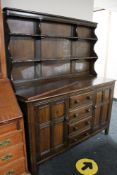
5, 143
11, 172
6, 157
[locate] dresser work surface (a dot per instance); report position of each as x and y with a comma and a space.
50, 62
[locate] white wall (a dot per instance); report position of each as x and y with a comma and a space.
101, 17
106, 47
81, 9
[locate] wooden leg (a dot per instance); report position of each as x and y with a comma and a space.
106, 131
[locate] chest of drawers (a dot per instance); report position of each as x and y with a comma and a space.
13, 159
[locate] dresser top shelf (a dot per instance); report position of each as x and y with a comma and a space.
32, 15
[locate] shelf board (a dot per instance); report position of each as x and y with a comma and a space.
37, 36
57, 59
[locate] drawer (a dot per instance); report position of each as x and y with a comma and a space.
14, 168
11, 154
79, 138
8, 140
81, 113
9, 127
81, 127
78, 100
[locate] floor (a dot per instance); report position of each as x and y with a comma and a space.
101, 148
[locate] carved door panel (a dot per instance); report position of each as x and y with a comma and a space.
107, 93
98, 106
51, 127
59, 124
103, 103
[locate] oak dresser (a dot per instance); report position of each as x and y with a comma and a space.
50, 62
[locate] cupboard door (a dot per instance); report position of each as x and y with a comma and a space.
59, 124
58, 135
44, 114
51, 127
58, 109
107, 101
103, 104
44, 140
98, 108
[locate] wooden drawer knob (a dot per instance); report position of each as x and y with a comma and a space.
88, 110
76, 101
75, 128
87, 134
87, 122
75, 140
89, 97
75, 115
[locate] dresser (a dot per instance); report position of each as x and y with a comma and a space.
50, 62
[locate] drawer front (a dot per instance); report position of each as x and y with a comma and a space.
78, 100
78, 138
15, 168
10, 139
80, 113
11, 154
5, 128
81, 127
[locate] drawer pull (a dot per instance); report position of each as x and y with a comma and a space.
5, 143
88, 110
11, 172
75, 140
87, 134
89, 97
87, 122
6, 157
75, 115
75, 128
76, 101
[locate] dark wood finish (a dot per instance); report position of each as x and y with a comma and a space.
51, 65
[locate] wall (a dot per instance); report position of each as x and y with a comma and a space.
81, 9
106, 66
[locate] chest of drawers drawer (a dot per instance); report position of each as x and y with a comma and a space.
11, 154
14, 168
81, 126
80, 113
82, 99
10, 139
10, 127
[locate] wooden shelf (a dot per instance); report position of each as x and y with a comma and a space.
37, 36
42, 60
